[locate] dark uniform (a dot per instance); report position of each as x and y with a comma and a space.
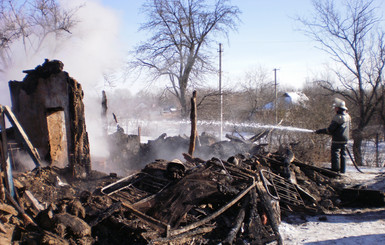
339, 130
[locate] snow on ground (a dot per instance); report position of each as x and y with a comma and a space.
345, 226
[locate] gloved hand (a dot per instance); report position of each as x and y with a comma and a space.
318, 131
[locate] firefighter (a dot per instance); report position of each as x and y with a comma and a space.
339, 130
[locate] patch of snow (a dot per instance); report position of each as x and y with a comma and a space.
345, 226
362, 227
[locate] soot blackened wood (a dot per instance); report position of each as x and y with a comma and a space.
193, 118
80, 160
174, 202
238, 222
106, 213
255, 224
271, 211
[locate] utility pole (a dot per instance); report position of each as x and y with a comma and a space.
275, 89
220, 90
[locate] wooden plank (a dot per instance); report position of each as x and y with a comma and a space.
2, 153
35, 203
5, 161
267, 202
236, 139
193, 117
118, 185
238, 222
9, 176
323, 171
30, 149
106, 213
27, 220
214, 215
147, 219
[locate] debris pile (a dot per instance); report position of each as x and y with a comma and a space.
238, 200
195, 202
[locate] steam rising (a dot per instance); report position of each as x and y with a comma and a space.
90, 51
156, 128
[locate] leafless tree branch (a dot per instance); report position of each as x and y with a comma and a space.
181, 32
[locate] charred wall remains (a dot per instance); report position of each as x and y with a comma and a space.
48, 104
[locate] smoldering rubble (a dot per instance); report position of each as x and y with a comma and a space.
226, 192
188, 201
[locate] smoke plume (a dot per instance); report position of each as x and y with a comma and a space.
91, 50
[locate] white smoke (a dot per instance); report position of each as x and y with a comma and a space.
92, 49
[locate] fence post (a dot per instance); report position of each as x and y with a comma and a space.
377, 153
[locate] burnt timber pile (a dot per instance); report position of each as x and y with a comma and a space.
193, 201
239, 195
169, 202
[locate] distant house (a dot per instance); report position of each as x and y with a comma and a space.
169, 109
288, 100
170, 112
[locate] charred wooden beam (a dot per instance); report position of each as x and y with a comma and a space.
165, 228
3, 152
104, 113
35, 203
193, 118
118, 185
302, 166
27, 220
267, 201
5, 160
259, 136
104, 105
238, 222
106, 213
216, 214
255, 225
323, 171
30, 149
191, 159
236, 139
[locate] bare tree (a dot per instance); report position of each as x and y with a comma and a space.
350, 33
181, 33
30, 22
257, 84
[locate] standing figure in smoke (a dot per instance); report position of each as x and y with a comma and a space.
339, 130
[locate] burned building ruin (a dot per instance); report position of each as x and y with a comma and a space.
48, 104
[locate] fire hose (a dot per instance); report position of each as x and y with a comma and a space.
354, 162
